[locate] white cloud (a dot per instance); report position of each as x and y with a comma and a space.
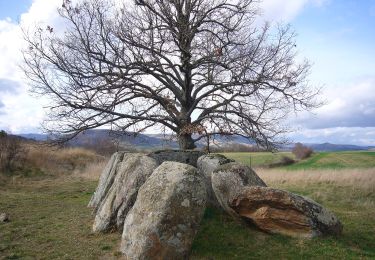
1, 107
10, 44
9, 86
347, 118
347, 105
281, 10
20, 112
339, 135
43, 13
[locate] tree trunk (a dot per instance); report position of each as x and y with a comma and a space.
186, 142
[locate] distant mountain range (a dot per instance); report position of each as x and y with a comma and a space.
100, 135
36, 137
328, 147
155, 141
160, 141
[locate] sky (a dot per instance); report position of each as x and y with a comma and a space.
336, 36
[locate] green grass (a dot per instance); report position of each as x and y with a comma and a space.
50, 220
258, 159
320, 160
222, 238
337, 160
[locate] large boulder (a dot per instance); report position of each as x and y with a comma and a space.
131, 174
206, 164
278, 211
182, 156
106, 179
166, 214
229, 179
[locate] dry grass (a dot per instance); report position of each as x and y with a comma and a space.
43, 162
357, 178
56, 161
355, 187
92, 171
338, 177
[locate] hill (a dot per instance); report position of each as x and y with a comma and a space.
167, 141
318, 161
328, 147
140, 141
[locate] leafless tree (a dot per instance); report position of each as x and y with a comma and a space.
195, 67
301, 151
11, 151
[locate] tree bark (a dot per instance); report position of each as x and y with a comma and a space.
186, 142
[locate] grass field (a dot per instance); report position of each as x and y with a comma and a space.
50, 220
222, 238
319, 160
258, 159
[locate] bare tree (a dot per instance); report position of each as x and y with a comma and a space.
301, 151
195, 67
11, 151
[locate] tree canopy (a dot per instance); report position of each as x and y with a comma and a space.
194, 67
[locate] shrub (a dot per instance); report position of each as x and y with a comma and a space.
284, 161
301, 151
11, 151
19, 156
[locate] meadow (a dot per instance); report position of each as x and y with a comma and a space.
318, 160
50, 220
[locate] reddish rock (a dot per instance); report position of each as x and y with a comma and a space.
229, 179
278, 211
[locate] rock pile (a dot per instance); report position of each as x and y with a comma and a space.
157, 201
